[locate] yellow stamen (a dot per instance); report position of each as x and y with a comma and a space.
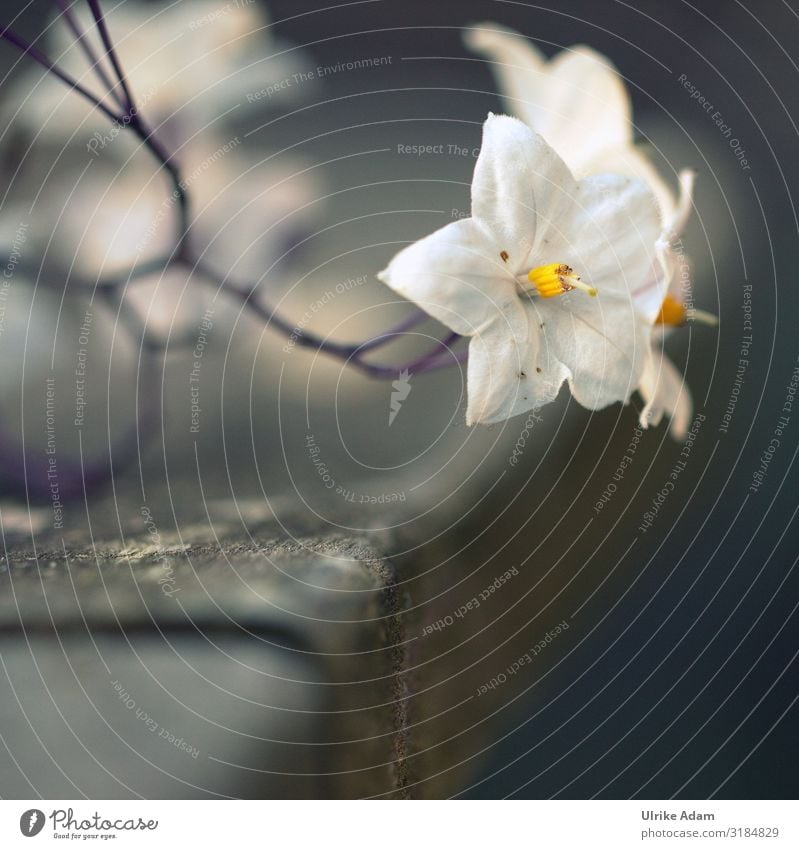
556, 279
704, 317
672, 312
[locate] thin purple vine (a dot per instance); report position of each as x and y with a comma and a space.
113, 288
37, 56
80, 36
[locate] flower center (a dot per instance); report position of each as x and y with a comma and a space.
672, 312
557, 278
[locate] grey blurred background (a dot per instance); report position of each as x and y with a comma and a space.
678, 673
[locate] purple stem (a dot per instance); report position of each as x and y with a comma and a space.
94, 5
353, 354
427, 362
350, 352
134, 122
39, 57
77, 478
442, 361
416, 317
138, 125
88, 50
303, 338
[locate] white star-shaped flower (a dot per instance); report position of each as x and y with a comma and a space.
540, 277
579, 103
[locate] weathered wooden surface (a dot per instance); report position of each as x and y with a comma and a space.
201, 666
286, 658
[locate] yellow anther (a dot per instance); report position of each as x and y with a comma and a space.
672, 312
556, 279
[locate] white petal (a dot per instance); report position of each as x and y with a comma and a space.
676, 221
591, 104
458, 276
502, 191
520, 186
577, 101
671, 273
608, 237
602, 348
664, 390
504, 379
649, 295
522, 191
631, 162
519, 67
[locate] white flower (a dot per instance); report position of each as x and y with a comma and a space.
663, 387
539, 277
579, 103
576, 100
